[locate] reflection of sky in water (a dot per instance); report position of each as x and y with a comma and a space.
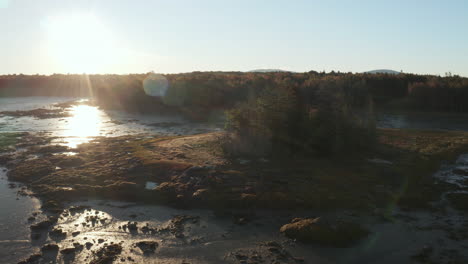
455, 173
29, 103
86, 121
15, 209
443, 121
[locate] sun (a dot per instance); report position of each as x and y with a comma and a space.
80, 43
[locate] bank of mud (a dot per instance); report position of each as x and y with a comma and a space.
315, 200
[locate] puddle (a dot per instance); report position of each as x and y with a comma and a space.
456, 173
69, 153
150, 185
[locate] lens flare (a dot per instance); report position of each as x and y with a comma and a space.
155, 85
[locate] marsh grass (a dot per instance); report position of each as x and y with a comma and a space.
7, 140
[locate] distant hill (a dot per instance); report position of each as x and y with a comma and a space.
268, 70
383, 71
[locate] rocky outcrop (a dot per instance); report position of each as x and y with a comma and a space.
318, 231
107, 254
31, 170
41, 226
50, 248
147, 247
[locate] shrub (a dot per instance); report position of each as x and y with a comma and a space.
278, 122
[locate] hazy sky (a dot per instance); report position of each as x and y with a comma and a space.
46, 36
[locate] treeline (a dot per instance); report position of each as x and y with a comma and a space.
280, 113
42, 85
204, 91
440, 94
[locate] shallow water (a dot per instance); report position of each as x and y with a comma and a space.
455, 173
84, 123
208, 240
215, 239
15, 209
87, 121
432, 121
30, 103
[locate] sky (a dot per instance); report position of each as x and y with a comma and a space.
120, 36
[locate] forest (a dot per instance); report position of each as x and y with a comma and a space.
223, 90
273, 112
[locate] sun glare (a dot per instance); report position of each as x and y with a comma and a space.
85, 122
80, 43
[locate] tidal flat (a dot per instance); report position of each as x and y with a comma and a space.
169, 198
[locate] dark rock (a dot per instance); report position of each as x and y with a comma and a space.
50, 248
34, 258
241, 220
41, 226
31, 170
145, 229
70, 161
458, 200
194, 171
177, 224
461, 171
132, 226
147, 247
316, 230
170, 190
273, 244
57, 233
80, 208
5, 159
201, 194
107, 254
248, 199
68, 251
35, 236
424, 255
52, 205
78, 246
240, 256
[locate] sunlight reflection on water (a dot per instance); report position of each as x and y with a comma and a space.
84, 124
86, 121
